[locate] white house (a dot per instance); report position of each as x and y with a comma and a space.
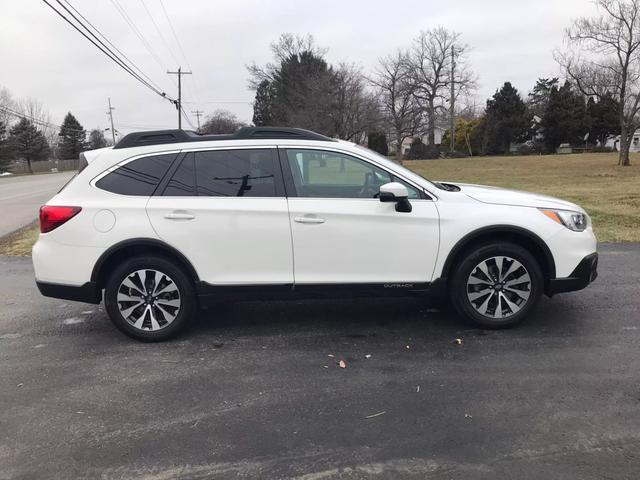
614, 142
406, 144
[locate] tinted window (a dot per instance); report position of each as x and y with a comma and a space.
235, 173
325, 174
139, 177
182, 182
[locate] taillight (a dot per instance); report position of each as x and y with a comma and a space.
51, 217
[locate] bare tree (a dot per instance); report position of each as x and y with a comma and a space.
399, 106
430, 61
603, 58
6, 101
40, 117
221, 121
288, 45
356, 111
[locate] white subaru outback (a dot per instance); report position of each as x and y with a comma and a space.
167, 221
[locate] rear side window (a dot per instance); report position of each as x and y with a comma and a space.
139, 177
235, 173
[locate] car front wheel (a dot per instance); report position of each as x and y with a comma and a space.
149, 298
497, 285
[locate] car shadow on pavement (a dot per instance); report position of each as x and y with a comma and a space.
361, 318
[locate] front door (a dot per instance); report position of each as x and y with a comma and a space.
225, 210
342, 233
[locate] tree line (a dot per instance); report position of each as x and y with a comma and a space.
429, 84
26, 133
413, 93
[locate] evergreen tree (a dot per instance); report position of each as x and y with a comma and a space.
377, 141
303, 93
263, 105
72, 138
28, 143
539, 96
604, 118
507, 120
96, 139
565, 120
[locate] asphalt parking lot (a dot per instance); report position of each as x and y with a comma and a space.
254, 390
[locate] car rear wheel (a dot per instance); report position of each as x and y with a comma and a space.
149, 298
497, 285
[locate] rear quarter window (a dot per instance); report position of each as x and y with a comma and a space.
139, 177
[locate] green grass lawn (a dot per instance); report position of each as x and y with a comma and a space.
610, 194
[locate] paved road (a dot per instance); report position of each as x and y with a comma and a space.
251, 392
22, 196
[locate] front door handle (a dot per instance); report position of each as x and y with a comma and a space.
179, 216
308, 219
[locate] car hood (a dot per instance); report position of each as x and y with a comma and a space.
503, 196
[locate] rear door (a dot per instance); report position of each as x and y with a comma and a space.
226, 211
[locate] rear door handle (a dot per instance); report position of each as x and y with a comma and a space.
308, 219
179, 216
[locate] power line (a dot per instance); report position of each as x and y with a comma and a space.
111, 44
36, 121
182, 51
193, 127
159, 31
103, 47
123, 13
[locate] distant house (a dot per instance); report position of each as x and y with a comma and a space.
614, 142
406, 144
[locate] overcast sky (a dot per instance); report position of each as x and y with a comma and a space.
44, 58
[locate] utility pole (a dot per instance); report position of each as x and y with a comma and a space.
110, 113
179, 73
198, 114
452, 114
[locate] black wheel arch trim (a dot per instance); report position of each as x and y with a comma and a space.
141, 242
498, 229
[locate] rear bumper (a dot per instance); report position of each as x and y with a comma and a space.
87, 293
585, 273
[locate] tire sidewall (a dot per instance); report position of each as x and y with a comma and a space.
459, 297
180, 278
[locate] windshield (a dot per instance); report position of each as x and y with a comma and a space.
401, 169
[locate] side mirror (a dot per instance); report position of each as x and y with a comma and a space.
397, 193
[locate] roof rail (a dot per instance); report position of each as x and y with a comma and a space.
160, 137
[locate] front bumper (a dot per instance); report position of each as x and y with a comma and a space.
585, 273
87, 293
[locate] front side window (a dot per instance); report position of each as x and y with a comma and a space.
139, 177
235, 173
325, 174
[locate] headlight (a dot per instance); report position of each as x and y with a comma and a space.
575, 221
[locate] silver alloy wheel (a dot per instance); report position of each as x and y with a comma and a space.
499, 287
148, 300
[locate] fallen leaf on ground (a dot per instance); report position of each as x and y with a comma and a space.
341, 364
367, 356
375, 415
457, 341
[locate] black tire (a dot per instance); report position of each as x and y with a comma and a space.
473, 258
185, 289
